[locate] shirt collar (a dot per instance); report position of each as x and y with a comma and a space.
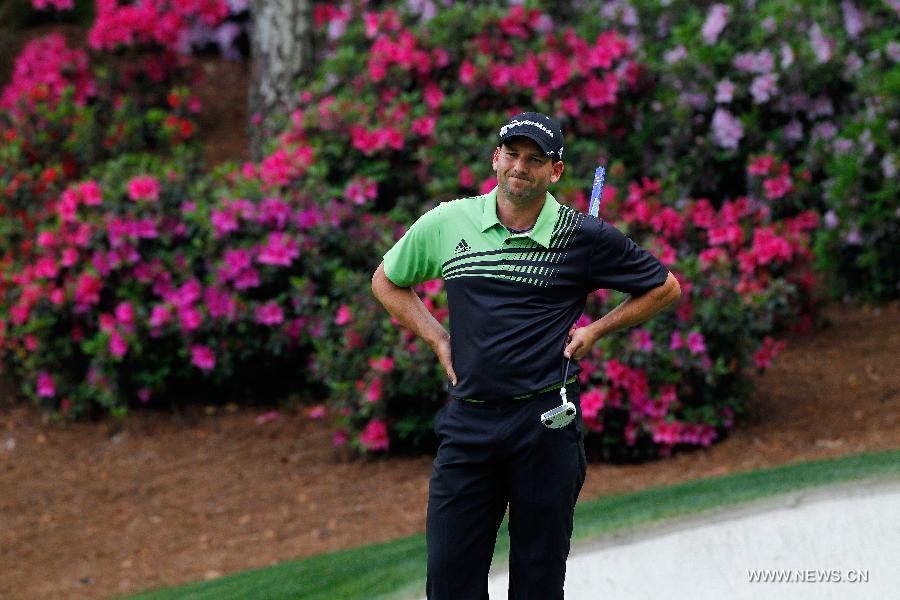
543, 228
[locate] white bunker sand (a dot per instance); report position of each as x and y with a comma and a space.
849, 531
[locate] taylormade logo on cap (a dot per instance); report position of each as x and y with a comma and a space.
515, 123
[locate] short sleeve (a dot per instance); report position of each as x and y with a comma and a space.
617, 263
415, 257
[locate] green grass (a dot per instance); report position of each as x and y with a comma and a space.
397, 568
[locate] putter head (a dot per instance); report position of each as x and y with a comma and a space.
559, 417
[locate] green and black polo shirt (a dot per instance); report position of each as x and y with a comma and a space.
513, 297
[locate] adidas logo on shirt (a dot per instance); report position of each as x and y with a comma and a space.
462, 246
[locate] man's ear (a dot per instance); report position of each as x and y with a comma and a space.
496, 157
558, 168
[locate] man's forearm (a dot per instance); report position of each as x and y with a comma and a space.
636, 309
405, 306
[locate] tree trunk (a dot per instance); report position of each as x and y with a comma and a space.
282, 49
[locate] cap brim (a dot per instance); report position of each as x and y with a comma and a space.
531, 136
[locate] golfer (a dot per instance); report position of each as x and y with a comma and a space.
517, 267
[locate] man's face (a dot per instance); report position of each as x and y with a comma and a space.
524, 172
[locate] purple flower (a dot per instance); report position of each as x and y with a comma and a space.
762, 62
888, 166
793, 131
842, 145
787, 55
831, 219
763, 87
893, 51
821, 107
769, 24
823, 131
821, 47
854, 64
716, 19
727, 130
853, 19
675, 54
853, 237
724, 91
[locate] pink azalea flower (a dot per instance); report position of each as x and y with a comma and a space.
144, 395
268, 417
385, 364
339, 438
778, 187
45, 386
118, 347
375, 436
160, 315
641, 340
224, 222
67, 206
269, 313
91, 194
467, 73
203, 357
466, 177
125, 313
433, 96
220, 303
695, 342
144, 187
769, 349
592, 402
190, 317
373, 391
246, 279
316, 412
763, 165
280, 249
343, 315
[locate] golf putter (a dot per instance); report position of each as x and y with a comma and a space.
564, 414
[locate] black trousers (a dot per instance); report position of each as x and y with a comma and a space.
491, 455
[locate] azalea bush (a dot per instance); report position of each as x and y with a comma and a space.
813, 84
682, 378
441, 86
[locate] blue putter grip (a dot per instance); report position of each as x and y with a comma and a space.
597, 192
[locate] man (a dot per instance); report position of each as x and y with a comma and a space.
518, 267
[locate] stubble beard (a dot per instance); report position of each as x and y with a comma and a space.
522, 198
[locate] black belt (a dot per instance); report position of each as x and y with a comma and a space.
509, 399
